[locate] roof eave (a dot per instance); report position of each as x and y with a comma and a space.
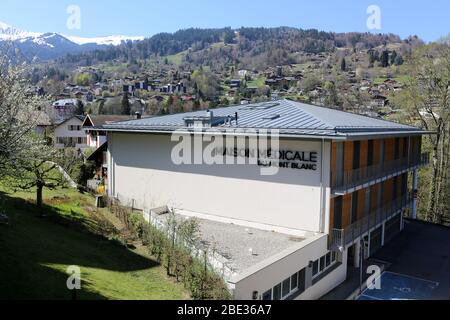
333, 135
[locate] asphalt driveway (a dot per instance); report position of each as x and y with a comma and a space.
422, 250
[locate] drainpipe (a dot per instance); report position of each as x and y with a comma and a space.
322, 191
414, 206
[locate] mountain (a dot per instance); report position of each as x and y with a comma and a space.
103, 41
248, 48
48, 46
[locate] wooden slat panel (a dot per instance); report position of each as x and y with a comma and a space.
400, 148
364, 150
405, 147
348, 156
333, 162
346, 210
389, 146
361, 203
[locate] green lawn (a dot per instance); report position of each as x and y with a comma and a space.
257, 83
37, 251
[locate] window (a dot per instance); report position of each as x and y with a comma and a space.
328, 260
74, 128
397, 149
277, 292
301, 280
315, 267
286, 287
294, 282
356, 154
322, 264
267, 295
370, 153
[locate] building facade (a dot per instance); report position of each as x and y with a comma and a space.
341, 186
70, 134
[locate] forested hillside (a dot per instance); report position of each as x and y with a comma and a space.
269, 46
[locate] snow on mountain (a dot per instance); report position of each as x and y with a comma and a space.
9, 33
109, 40
47, 46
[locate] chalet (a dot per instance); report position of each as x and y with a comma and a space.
69, 134
235, 83
95, 139
129, 88
379, 101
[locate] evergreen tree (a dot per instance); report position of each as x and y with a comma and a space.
385, 59
80, 108
398, 60
343, 65
101, 107
393, 57
126, 107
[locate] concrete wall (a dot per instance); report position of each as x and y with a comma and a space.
281, 269
141, 170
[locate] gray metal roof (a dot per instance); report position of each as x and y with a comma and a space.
289, 117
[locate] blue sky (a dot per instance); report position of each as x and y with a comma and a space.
428, 19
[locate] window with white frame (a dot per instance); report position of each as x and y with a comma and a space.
323, 264
74, 128
291, 285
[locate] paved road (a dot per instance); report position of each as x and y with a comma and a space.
422, 250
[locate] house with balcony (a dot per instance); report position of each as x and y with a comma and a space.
95, 139
292, 195
70, 134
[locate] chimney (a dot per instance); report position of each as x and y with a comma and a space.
237, 118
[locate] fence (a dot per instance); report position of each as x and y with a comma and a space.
340, 238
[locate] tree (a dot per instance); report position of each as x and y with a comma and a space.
427, 98
398, 60
19, 113
126, 107
384, 59
343, 65
229, 37
393, 57
79, 111
36, 168
101, 107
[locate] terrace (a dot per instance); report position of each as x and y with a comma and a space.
357, 179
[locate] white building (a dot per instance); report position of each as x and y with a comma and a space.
341, 178
95, 139
70, 134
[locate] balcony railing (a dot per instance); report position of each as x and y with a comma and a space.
361, 176
340, 238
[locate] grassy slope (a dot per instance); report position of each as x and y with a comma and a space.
36, 253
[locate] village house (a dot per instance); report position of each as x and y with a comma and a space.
70, 134
95, 139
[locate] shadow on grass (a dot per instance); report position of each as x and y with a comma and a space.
35, 252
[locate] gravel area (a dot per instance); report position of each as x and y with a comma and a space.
240, 246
